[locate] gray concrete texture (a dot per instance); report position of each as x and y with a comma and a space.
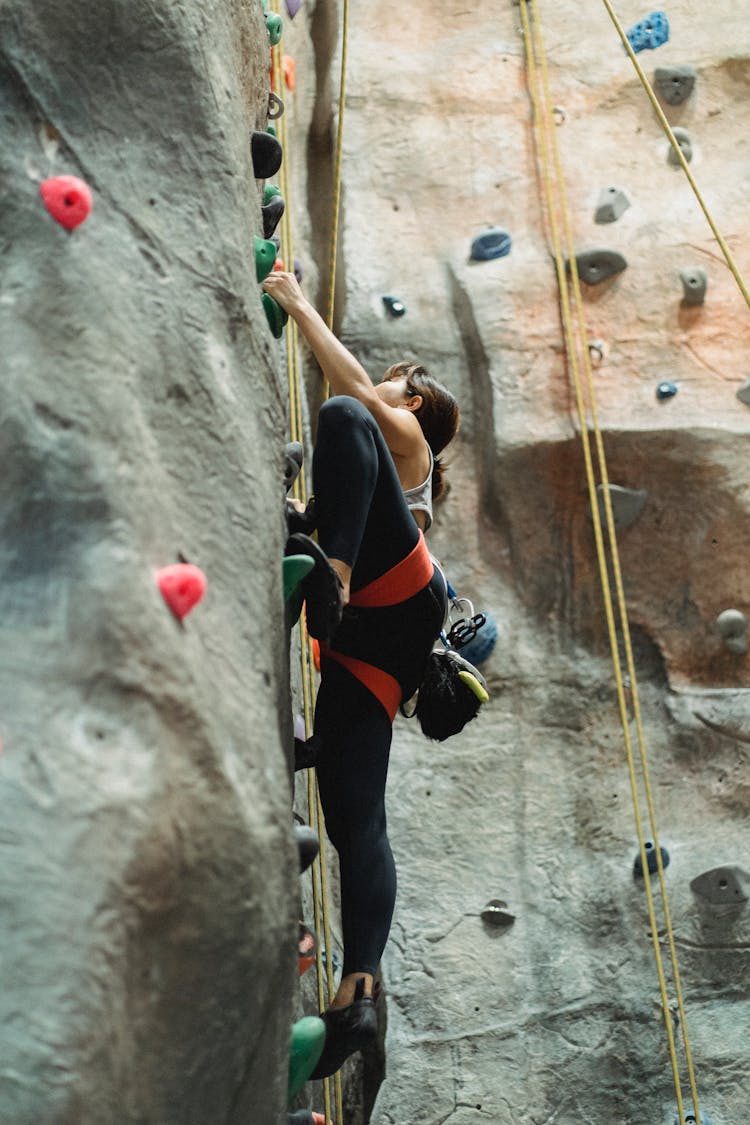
149, 876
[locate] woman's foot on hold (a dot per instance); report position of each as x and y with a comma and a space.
348, 1029
323, 589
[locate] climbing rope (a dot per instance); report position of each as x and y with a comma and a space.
680, 155
575, 343
320, 890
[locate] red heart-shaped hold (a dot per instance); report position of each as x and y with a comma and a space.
182, 587
68, 200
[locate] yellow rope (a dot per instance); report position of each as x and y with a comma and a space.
321, 897
729, 257
549, 141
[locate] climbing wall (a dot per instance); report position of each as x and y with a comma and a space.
149, 878
555, 1013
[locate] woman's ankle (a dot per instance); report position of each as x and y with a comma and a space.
345, 992
345, 574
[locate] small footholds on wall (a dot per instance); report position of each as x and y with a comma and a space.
394, 306
612, 203
274, 27
691, 1119
651, 860
491, 243
627, 504
272, 210
595, 266
732, 624
649, 33
68, 200
743, 394
597, 352
182, 586
675, 83
496, 913
559, 115
267, 155
265, 256
694, 285
722, 886
665, 390
686, 146
275, 315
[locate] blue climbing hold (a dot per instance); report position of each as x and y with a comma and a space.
650, 860
491, 243
481, 647
649, 33
394, 306
666, 390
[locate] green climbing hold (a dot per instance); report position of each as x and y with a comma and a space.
269, 191
308, 1040
265, 256
275, 315
294, 568
274, 27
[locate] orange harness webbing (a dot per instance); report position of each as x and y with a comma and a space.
401, 582
397, 585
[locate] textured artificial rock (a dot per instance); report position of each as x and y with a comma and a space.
147, 867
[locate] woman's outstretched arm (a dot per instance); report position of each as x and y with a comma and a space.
345, 374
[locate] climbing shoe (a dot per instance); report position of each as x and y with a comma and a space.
293, 457
308, 845
304, 522
305, 1117
348, 1030
322, 588
306, 752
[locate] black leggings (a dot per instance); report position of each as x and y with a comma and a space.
363, 520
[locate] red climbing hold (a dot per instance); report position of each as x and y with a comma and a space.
68, 200
182, 587
278, 265
290, 72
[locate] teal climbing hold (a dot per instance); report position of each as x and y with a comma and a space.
649, 33
665, 389
294, 569
595, 266
394, 306
491, 243
308, 1040
275, 315
269, 191
274, 27
265, 256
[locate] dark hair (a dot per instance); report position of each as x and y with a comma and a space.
438, 415
444, 704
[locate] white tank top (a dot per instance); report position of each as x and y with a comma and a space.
419, 499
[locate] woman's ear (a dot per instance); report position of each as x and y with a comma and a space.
413, 403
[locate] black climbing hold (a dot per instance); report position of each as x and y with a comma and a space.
722, 886
686, 146
308, 845
732, 624
666, 390
491, 243
694, 285
272, 212
496, 913
650, 860
674, 83
649, 33
267, 155
306, 752
743, 394
691, 1119
612, 203
394, 306
627, 504
595, 266
293, 457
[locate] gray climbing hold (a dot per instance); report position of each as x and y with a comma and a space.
674, 83
497, 914
722, 886
694, 285
743, 394
627, 504
732, 624
686, 145
595, 266
612, 203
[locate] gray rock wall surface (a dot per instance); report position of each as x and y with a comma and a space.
557, 1017
149, 878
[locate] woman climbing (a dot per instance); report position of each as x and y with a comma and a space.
377, 616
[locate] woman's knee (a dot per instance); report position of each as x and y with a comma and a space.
342, 411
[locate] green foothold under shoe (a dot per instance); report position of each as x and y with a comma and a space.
294, 568
308, 1040
265, 256
275, 315
275, 27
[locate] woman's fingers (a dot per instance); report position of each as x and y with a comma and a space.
284, 288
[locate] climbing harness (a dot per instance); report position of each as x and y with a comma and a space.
575, 338
321, 897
